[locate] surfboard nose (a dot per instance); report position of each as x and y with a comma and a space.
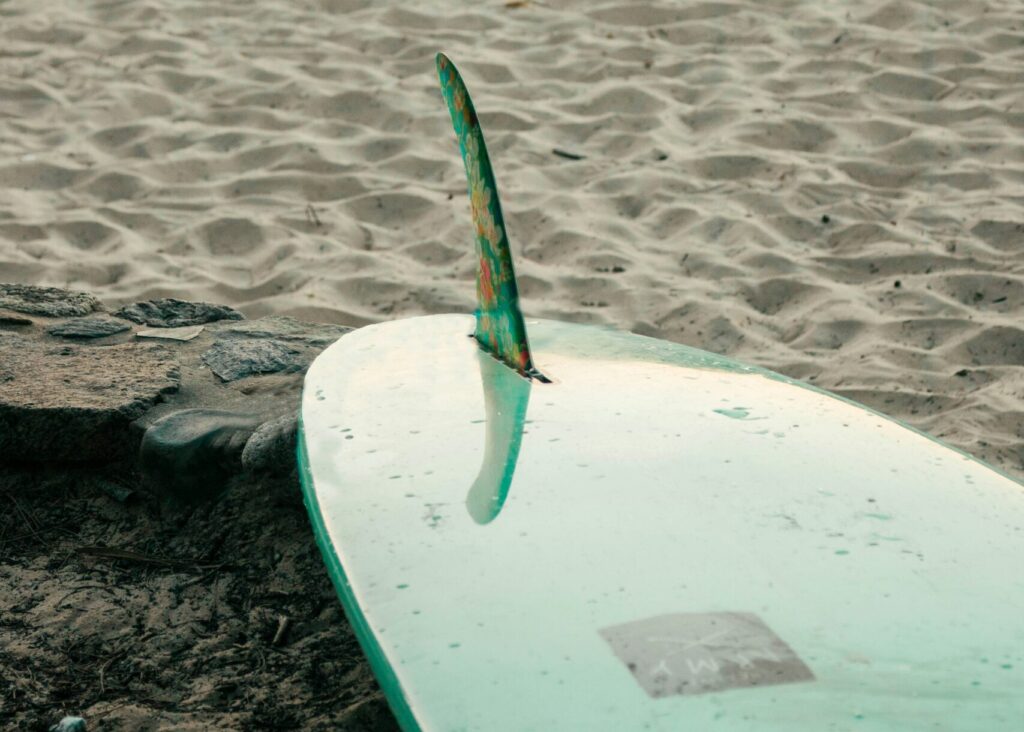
500, 328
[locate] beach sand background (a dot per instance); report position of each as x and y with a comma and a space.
831, 190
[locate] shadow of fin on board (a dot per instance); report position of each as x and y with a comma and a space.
506, 396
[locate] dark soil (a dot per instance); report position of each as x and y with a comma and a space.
138, 615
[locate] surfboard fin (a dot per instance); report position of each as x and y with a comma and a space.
500, 329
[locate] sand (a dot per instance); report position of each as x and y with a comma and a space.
834, 191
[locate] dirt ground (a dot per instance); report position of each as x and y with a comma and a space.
142, 616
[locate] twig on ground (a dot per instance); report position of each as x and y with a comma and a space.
567, 155
105, 666
283, 623
105, 552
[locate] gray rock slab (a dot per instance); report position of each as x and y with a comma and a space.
94, 326
75, 403
52, 302
91, 400
236, 359
171, 313
284, 328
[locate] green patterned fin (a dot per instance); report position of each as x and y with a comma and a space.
499, 321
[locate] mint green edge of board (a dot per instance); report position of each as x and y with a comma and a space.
381, 668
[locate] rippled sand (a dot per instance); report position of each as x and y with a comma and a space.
832, 192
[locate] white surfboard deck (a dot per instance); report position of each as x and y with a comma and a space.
685, 543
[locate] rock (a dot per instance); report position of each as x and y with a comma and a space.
95, 326
88, 401
70, 403
268, 345
271, 448
283, 328
190, 455
69, 724
171, 313
236, 359
52, 302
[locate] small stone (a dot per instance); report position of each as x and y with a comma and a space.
69, 724
171, 313
236, 359
70, 403
172, 334
53, 302
190, 455
271, 449
118, 492
96, 326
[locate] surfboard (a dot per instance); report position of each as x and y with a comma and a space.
616, 532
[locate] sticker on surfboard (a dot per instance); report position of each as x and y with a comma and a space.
698, 653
